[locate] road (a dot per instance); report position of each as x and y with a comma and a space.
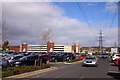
77, 71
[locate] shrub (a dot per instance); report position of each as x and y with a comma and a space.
22, 69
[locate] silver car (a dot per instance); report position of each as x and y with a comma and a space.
90, 61
13, 59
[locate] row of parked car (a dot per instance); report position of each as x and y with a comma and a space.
23, 58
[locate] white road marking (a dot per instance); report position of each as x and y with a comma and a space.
113, 72
112, 68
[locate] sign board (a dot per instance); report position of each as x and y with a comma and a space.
114, 50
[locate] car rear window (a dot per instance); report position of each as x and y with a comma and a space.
118, 55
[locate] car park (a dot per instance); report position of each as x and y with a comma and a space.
90, 61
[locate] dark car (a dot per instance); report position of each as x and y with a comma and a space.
53, 57
56, 57
30, 60
69, 56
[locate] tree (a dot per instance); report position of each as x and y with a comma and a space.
5, 46
4, 34
45, 37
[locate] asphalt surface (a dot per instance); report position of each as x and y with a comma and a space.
103, 70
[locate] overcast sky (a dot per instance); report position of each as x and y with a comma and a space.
26, 21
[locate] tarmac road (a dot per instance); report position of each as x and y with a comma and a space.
77, 71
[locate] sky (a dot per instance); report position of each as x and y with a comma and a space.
70, 22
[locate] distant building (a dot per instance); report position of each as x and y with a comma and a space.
50, 47
14, 48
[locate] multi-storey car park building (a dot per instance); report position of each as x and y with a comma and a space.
49, 47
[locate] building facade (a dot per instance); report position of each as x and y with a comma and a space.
50, 47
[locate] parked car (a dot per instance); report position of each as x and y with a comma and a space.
69, 56
14, 59
90, 61
104, 55
4, 63
53, 57
29, 60
115, 56
7, 54
56, 57
83, 56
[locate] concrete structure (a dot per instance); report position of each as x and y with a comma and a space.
24, 47
50, 46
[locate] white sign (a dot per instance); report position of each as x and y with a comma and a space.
114, 50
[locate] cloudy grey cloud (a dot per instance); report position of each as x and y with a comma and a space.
26, 21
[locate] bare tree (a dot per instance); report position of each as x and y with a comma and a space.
4, 34
45, 37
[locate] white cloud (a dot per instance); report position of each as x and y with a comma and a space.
91, 4
26, 22
111, 6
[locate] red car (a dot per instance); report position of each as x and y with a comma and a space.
82, 56
116, 62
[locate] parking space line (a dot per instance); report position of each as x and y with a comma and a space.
39, 75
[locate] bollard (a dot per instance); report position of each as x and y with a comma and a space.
35, 63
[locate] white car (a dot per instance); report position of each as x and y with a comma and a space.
115, 56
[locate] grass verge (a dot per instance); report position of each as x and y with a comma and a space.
74, 60
22, 69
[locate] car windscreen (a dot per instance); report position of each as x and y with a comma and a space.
90, 58
104, 54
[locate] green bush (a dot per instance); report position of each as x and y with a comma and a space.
22, 69
74, 60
